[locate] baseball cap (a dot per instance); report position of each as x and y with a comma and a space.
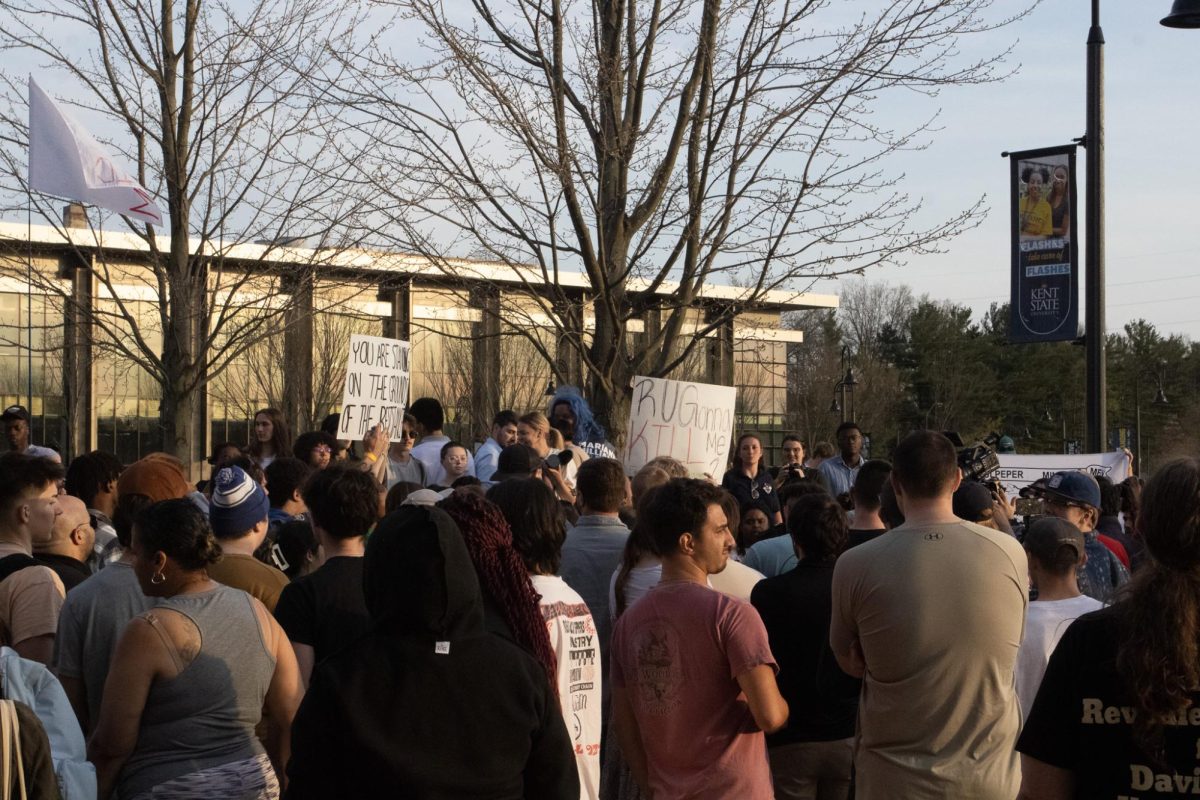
515, 461
158, 476
1045, 535
1073, 487
972, 501
14, 412
238, 503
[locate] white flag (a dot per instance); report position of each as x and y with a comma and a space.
64, 160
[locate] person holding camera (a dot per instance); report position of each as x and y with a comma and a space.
558, 465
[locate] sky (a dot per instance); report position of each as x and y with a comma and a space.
1152, 161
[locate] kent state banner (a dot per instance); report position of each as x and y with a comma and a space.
1045, 253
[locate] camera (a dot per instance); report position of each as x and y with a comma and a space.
978, 460
557, 460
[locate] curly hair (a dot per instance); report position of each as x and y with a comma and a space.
502, 573
817, 524
1158, 657
587, 428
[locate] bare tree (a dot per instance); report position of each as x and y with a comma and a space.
657, 149
211, 103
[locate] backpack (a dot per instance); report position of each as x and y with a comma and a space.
30, 683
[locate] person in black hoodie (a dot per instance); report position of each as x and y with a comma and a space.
428, 704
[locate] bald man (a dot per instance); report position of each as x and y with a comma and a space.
70, 543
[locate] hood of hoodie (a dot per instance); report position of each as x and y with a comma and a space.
418, 578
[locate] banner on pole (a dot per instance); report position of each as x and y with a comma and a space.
1045, 251
377, 375
66, 161
692, 422
1017, 470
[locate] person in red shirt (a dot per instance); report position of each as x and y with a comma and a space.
692, 671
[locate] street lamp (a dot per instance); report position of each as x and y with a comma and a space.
1184, 14
843, 392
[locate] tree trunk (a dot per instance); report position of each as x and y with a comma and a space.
185, 326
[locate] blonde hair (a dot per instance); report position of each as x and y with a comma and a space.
647, 478
537, 420
672, 466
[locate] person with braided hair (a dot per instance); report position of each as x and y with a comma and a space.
428, 703
510, 603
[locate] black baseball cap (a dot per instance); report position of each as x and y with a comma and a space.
972, 501
515, 461
1046, 534
15, 412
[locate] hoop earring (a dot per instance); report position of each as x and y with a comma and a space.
157, 578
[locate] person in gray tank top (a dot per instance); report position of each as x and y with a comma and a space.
190, 677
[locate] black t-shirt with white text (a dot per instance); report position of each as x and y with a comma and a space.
1082, 721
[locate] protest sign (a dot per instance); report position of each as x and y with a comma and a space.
376, 386
692, 422
1018, 470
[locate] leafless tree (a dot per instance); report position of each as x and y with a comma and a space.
210, 103
657, 149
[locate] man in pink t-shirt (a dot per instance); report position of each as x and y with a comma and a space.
692, 672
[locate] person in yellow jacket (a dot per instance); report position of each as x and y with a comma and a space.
1034, 210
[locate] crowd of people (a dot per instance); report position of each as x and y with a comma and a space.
521, 618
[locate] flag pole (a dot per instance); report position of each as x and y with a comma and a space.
29, 303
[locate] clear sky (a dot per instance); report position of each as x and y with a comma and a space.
1152, 165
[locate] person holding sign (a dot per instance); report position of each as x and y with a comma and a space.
748, 480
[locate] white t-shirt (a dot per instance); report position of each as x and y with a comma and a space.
1045, 623
736, 580
577, 648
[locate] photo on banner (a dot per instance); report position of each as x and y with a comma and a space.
1045, 250
691, 422
376, 391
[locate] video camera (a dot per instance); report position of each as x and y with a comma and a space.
978, 460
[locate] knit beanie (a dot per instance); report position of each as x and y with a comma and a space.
238, 503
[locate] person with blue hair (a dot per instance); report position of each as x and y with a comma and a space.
571, 416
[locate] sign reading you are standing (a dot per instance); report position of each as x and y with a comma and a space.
377, 375
691, 422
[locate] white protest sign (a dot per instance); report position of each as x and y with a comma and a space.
376, 386
692, 422
1018, 470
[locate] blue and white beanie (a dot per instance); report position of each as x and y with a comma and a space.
238, 503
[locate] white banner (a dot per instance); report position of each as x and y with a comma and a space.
692, 422
376, 392
65, 161
1018, 470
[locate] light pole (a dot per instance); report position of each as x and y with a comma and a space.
1160, 399
1184, 14
1093, 301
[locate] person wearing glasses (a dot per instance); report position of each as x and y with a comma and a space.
70, 543
402, 467
1075, 497
315, 448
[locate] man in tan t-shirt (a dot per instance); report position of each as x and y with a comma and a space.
30, 594
238, 514
931, 616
